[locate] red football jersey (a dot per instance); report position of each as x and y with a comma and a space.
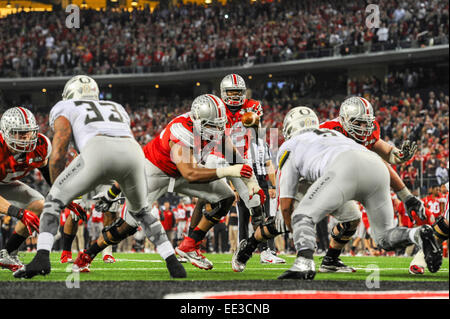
157, 151
236, 130
336, 125
433, 204
15, 167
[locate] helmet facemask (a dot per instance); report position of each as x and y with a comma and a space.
233, 91
210, 130
357, 119
20, 130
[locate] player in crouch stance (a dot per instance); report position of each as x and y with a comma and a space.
101, 131
22, 149
357, 122
172, 167
340, 170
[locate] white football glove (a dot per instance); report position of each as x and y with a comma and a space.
399, 156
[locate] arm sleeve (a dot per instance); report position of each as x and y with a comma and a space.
288, 179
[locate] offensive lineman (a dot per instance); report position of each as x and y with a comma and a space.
22, 149
233, 93
172, 167
340, 170
101, 132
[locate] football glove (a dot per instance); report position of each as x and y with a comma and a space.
78, 210
415, 204
239, 170
280, 224
28, 218
399, 156
104, 202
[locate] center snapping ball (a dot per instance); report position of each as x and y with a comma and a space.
250, 119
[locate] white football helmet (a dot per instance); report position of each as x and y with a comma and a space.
208, 115
81, 87
356, 117
19, 129
236, 83
299, 119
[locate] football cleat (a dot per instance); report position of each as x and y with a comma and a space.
303, 268
108, 259
418, 264
189, 249
182, 260
431, 250
11, 262
330, 264
40, 265
416, 270
66, 257
268, 257
241, 256
175, 268
82, 263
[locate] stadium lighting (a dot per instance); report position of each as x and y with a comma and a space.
8, 5
84, 4
114, 0
198, 83
208, 1
157, 86
134, 3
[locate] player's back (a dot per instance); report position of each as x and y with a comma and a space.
313, 151
89, 118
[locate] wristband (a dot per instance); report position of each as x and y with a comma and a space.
15, 212
114, 191
404, 194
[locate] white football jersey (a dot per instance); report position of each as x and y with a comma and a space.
89, 118
311, 152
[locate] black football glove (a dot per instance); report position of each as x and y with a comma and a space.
415, 204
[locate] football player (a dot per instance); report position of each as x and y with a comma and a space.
340, 171
22, 149
357, 122
233, 93
441, 232
171, 166
102, 135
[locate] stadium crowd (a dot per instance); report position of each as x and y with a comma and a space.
189, 36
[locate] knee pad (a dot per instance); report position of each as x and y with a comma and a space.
49, 219
343, 232
219, 210
153, 228
440, 228
272, 230
113, 230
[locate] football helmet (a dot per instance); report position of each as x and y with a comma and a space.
233, 82
208, 115
81, 87
356, 117
19, 129
299, 119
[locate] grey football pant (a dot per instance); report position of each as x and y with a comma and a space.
102, 159
354, 175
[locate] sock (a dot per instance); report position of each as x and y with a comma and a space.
198, 234
333, 253
14, 242
107, 251
166, 250
190, 231
67, 241
306, 253
45, 241
93, 250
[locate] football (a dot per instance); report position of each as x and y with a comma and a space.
250, 119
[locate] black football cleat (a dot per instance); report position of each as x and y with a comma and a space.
431, 249
303, 269
330, 264
175, 268
40, 265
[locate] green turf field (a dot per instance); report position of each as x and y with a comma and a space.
136, 266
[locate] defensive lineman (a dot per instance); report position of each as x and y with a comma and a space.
102, 134
340, 170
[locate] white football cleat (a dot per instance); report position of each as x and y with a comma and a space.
303, 268
11, 262
418, 264
268, 257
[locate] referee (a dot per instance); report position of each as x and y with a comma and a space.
261, 158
